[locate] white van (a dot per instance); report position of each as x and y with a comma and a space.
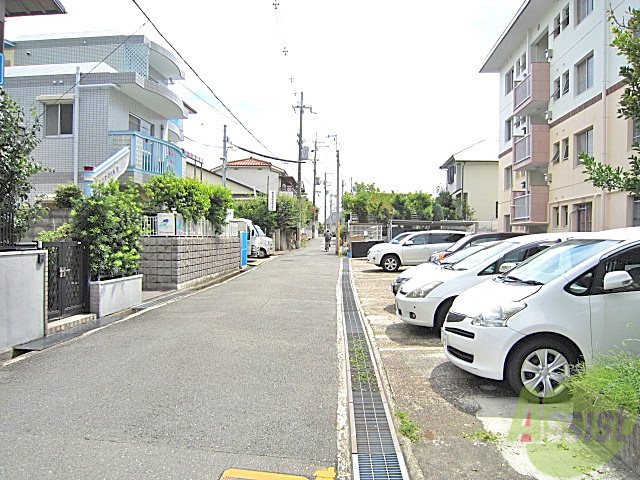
532, 324
259, 244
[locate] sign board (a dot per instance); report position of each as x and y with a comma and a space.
166, 224
1, 68
272, 200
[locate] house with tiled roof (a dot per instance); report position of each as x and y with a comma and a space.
260, 175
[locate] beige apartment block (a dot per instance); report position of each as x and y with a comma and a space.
475, 179
559, 96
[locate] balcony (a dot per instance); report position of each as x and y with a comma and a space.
530, 208
174, 130
148, 155
531, 95
531, 152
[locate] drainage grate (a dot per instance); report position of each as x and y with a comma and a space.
376, 450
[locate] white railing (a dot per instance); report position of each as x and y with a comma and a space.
521, 207
522, 148
370, 232
186, 228
522, 91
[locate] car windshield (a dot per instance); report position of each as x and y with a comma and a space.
483, 255
462, 254
398, 238
260, 232
458, 244
557, 260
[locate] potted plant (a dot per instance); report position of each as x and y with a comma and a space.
109, 223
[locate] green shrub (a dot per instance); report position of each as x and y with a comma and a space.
612, 382
65, 195
220, 200
108, 222
187, 196
63, 232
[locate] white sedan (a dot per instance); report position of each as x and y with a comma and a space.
425, 299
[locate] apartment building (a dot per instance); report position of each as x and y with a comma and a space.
473, 177
105, 105
559, 93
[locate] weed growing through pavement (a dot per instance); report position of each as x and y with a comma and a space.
483, 436
361, 363
408, 428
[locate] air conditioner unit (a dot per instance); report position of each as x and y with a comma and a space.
548, 115
548, 53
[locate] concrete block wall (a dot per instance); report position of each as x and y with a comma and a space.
170, 263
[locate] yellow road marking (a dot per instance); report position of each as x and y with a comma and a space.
239, 474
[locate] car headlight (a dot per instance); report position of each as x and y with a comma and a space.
424, 290
497, 316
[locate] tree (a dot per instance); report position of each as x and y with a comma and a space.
220, 201
109, 223
627, 42
65, 195
187, 196
18, 138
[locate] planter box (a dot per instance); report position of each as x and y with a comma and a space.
110, 296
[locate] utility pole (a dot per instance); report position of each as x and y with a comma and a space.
335, 137
315, 216
301, 107
224, 158
325, 202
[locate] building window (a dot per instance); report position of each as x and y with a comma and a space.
556, 25
508, 130
556, 89
584, 74
583, 8
635, 134
564, 216
565, 17
139, 125
583, 217
508, 178
565, 149
555, 215
58, 119
555, 158
584, 144
565, 82
451, 174
507, 223
508, 82
635, 212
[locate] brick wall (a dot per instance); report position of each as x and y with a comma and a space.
180, 262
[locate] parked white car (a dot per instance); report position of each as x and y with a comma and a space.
531, 325
411, 249
421, 269
425, 299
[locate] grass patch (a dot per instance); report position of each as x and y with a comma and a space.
611, 383
408, 428
483, 436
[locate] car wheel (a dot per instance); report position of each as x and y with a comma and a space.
262, 253
390, 263
441, 313
537, 369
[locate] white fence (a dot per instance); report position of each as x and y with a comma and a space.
186, 228
368, 231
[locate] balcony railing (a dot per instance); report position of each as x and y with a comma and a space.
522, 148
149, 155
521, 207
522, 91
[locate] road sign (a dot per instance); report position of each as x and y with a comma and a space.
272, 200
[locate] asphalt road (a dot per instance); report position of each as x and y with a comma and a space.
241, 375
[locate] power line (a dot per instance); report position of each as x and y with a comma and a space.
267, 156
197, 75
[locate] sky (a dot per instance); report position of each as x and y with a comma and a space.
395, 83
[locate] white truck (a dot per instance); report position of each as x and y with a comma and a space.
260, 245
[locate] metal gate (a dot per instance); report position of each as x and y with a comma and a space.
68, 279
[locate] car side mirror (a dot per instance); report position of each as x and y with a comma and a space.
506, 266
615, 280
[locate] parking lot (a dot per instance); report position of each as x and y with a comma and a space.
462, 420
